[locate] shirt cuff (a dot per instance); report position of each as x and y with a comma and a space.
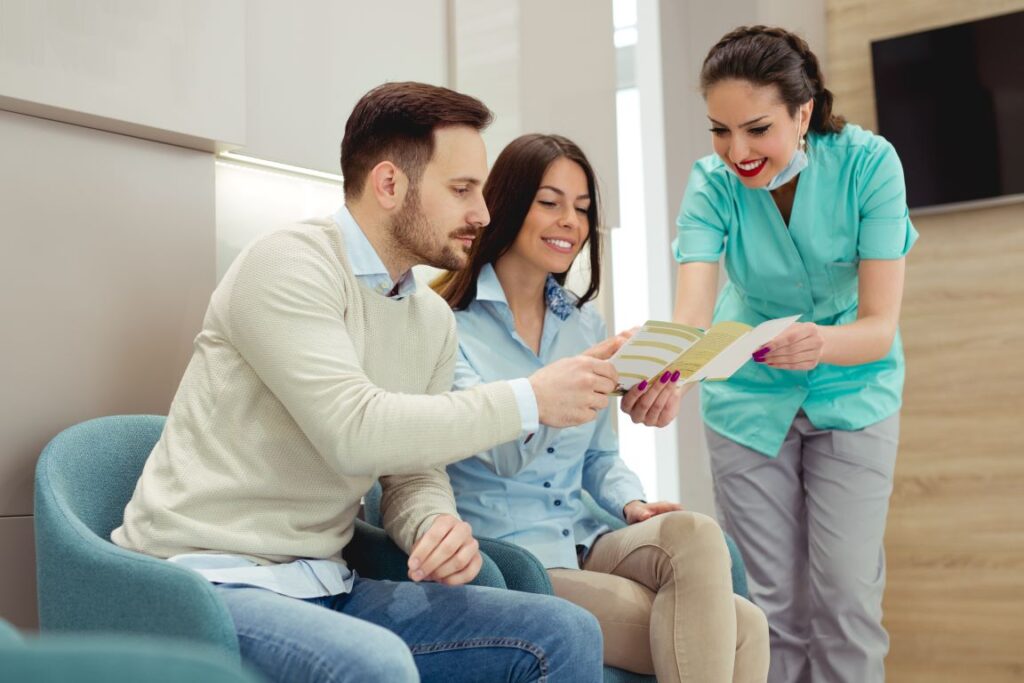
527, 402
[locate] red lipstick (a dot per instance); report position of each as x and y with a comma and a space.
752, 172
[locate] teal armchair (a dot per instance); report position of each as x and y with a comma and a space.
84, 479
106, 659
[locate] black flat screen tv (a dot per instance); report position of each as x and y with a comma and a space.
951, 100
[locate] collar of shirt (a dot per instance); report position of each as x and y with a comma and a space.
559, 302
560, 307
366, 264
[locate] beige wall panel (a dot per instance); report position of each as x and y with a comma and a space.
18, 572
488, 63
167, 71
955, 539
567, 86
106, 269
309, 61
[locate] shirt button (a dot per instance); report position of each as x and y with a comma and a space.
557, 503
565, 532
547, 484
799, 285
551, 449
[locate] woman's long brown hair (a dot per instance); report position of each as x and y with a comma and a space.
509, 192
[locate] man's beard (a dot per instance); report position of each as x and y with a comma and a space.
413, 234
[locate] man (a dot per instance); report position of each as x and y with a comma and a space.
320, 368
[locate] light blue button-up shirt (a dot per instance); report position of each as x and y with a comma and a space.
311, 578
528, 492
850, 205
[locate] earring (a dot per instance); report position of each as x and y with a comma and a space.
803, 144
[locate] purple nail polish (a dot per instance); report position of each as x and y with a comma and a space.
641, 386
664, 378
675, 376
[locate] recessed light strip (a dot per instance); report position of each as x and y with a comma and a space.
276, 166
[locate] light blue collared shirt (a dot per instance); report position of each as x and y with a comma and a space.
311, 578
366, 264
529, 492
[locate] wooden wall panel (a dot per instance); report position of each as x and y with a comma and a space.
954, 605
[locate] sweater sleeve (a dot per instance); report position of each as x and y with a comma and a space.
285, 317
411, 502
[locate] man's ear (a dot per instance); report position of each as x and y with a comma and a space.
388, 185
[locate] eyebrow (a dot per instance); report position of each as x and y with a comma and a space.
742, 125
466, 179
559, 192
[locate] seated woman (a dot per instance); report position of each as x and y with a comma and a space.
661, 586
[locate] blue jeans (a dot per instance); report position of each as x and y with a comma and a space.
402, 631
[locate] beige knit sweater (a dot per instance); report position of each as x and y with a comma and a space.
303, 388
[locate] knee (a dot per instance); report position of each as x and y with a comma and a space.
850, 584
395, 666
751, 624
752, 642
691, 535
574, 633
389, 659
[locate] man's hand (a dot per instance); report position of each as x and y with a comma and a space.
655, 403
798, 348
639, 511
447, 553
572, 390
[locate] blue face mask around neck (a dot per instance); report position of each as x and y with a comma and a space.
797, 163
793, 168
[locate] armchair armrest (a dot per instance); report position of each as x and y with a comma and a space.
77, 573
373, 555
115, 659
521, 570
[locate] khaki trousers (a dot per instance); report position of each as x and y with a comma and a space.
662, 592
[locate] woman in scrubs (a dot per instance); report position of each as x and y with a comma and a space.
810, 215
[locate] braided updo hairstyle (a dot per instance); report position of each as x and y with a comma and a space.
765, 56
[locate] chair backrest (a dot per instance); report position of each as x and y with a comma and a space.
92, 468
84, 479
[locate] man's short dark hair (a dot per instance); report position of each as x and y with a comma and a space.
396, 122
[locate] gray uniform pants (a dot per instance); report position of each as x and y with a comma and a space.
810, 525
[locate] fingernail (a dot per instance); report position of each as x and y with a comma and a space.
417, 575
675, 376
414, 563
664, 378
641, 386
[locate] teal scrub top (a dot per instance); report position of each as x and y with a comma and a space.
850, 204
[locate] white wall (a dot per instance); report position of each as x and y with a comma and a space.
309, 61
167, 71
